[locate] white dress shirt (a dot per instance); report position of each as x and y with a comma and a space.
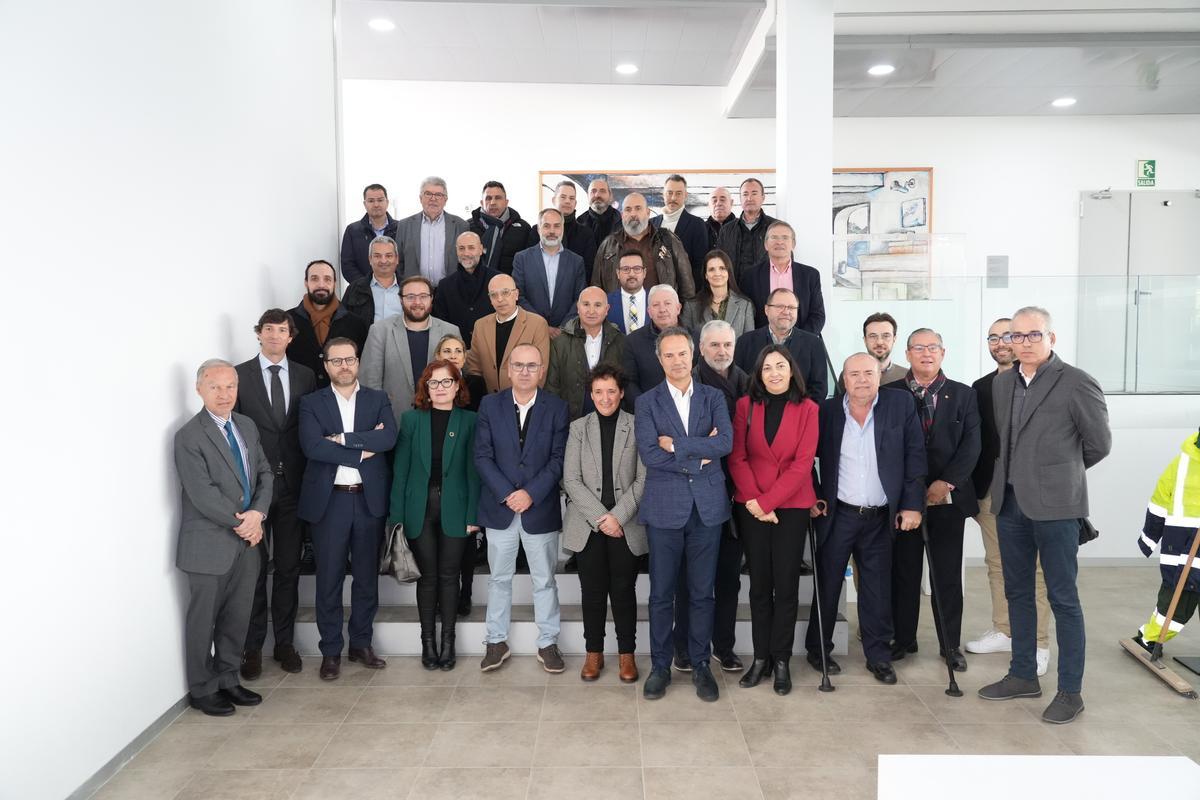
682, 401
347, 476
265, 365
591, 348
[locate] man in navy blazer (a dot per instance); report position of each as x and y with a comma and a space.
807, 348
802, 279
520, 440
344, 431
627, 304
683, 430
690, 229
872, 481
549, 277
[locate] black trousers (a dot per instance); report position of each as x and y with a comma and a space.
773, 553
945, 526
440, 558
284, 535
725, 589
608, 573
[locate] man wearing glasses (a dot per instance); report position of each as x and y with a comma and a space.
398, 348
496, 336
1053, 425
627, 303
779, 271
807, 348
879, 337
427, 238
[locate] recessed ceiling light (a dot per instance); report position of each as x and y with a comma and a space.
881, 69
1063, 102
381, 25
627, 69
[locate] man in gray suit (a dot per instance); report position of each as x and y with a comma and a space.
1053, 426
227, 483
398, 348
427, 238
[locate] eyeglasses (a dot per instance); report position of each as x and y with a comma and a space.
1033, 337
880, 337
920, 349
519, 367
631, 269
349, 361
412, 298
792, 309
501, 293
444, 383
995, 338
434, 195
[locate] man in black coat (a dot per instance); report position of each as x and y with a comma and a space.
359, 235
743, 240
720, 207
690, 229
949, 415
500, 228
359, 297
600, 218
269, 392
806, 348
461, 298
320, 317
778, 266
577, 238
643, 371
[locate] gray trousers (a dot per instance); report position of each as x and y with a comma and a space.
218, 615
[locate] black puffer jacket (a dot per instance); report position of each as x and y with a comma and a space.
515, 236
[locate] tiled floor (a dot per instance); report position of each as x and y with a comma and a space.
519, 733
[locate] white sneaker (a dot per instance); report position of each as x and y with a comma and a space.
992, 641
1043, 660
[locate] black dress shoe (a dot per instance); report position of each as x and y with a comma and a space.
656, 685
682, 663
241, 696
805, 568
814, 661
251, 664
883, 672
783, 677
958, 662
899, 651
215, 704
731, 663
366, 656
331, 667
705, 683
464, 605
759, 669
288, 658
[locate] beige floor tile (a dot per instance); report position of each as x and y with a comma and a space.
686, 783
680, 704
191, 716
368, 746
792, 745
258, 784
875, 704
495, 704
1182, 736
516, 671
482, 744
588, 744
872, 739
761, 704
310, 677
145, 784
300, 706
973, 709
508, 783
817, 783
699, 744
1039, 740
586, 783
590, 703
1106, 739
407, 671
272, 675
359, 784
392, 704
272, 747
182, 746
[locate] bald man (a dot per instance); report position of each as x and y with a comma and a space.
462, 296
495, 335
720, 207
600, 218
587, 340
663, 254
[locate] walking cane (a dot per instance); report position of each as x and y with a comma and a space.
826, 685
952, 689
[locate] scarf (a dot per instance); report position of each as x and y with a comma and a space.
493, 228
710, 377
670, 220
926, 398
321, 317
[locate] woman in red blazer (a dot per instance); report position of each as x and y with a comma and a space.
774, 442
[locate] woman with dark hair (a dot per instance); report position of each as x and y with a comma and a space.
603, 478
453, 348
774, 444
435, 491
718, 297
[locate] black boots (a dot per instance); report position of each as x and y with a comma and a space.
759, 669
447, 660
783, 676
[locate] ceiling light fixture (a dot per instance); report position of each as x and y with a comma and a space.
1063, 102
881, 69
627, 69
381, 25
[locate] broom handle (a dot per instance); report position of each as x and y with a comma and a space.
1179, 584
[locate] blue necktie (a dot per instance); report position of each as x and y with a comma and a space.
241, 466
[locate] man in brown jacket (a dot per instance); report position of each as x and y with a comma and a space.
663, 254
496, 335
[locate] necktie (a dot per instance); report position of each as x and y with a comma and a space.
278, 409
241, 465
634, 324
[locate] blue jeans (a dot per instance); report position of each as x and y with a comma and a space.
1056, 542
541, 550
698, 545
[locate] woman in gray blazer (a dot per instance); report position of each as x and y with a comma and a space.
718, 297
603, 478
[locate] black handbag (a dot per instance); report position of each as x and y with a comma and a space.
1087, 531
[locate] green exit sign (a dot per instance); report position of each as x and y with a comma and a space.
1146, 172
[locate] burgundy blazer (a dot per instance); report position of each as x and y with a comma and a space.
778, 475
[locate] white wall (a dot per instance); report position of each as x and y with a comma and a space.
169, 168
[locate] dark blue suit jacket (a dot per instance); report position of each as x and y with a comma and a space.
692, 231
320, 417
899, 449
806, 283
808, 349
529, 273
504, 467
641, 366
676, 481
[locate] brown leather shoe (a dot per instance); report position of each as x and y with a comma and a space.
251, 664
366, 656
592, 664
628, 668
331, 668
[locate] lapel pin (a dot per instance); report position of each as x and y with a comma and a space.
451, 434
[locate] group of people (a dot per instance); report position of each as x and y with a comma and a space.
673, 404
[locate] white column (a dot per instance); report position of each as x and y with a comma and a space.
804, 126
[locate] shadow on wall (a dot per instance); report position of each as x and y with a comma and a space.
186, 404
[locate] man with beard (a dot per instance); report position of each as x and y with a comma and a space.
319, 318
500, 228
689, 228
806, 348
627, 305
879, 336
600, 218
586, 340
549, 278
359, 235
376, 296
427, 238
398, 349
720, 206
461, 298
779, 271
744, 239
663, 255
577, 237
998, 639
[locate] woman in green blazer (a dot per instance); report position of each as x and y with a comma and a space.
435, 491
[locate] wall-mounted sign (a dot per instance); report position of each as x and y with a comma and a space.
1145, 172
